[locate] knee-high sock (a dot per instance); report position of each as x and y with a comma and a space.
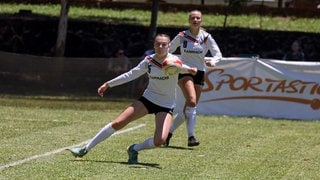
103, 134
146, 144
177, 121
191, 116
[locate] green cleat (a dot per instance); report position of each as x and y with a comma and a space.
78, 152
133, 155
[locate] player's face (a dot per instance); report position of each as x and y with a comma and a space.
195, 18
161, 45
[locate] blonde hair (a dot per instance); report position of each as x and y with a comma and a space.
195, 11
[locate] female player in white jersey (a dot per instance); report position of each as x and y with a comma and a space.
158, 98
194, 44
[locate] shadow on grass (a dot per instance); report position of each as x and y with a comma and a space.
138, 165
179, 147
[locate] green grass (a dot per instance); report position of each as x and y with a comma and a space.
231, 147
165, 19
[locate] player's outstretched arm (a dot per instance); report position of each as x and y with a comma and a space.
103, 88
185, 69
211, 61
193, 71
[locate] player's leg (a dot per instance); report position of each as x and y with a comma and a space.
191, 113
163, 122
133, 112
190, 93
178, 117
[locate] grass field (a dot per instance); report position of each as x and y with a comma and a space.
166, 19
36, 130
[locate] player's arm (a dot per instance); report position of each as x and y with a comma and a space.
174, 44
103, 88
215, 51
185, 69
134, 73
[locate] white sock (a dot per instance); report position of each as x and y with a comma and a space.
104, 133
191, 116
146, 144
177, 121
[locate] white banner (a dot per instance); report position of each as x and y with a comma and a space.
262, 88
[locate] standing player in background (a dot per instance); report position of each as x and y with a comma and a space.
194, 44
158, 99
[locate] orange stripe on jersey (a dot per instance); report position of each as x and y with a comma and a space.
153, 61
184, 35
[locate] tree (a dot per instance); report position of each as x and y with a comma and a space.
280, 3
62, 29
153, 23
233, 6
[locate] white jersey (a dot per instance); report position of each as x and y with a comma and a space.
161, 88
194, 49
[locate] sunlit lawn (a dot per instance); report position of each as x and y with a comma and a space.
140, 17
36, 129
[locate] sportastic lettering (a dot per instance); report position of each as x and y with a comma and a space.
259, 84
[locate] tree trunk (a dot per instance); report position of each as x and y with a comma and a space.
280, 4
62, 29
153, 24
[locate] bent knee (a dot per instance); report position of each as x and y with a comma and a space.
191, 103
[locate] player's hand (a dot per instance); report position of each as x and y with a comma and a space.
103, 88
210, 63
193, 71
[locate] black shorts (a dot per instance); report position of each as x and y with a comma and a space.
153, 108
197, 79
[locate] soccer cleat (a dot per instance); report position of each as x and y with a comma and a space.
192, 141
78, 152
166, 144
133, 155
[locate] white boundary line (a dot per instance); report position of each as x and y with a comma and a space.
59, 150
